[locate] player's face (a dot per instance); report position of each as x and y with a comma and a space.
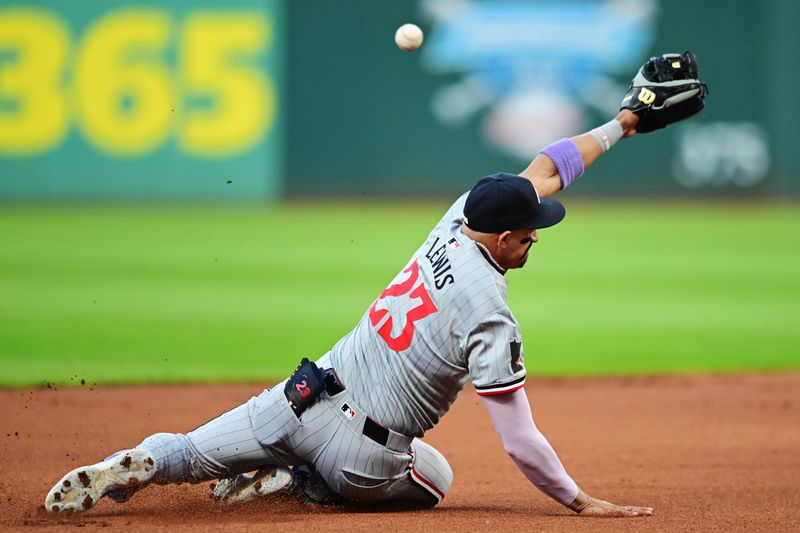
514, 247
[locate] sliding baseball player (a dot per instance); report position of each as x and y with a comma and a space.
347, 427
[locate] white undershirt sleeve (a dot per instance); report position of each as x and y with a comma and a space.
513, 422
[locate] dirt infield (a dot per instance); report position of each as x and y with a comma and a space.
708, 453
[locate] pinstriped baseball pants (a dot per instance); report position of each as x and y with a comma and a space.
265, 431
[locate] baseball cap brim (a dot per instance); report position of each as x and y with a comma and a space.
551, 213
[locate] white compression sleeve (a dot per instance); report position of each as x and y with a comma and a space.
513, 421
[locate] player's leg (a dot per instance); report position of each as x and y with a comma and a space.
420, 478
353, 457
222, 447
423, 483
225, 446
428, 479
330, 435
364, 462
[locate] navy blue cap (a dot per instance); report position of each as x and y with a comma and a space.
502, 202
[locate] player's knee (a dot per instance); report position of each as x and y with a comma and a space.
430, 470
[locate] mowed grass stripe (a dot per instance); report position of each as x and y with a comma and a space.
176, 293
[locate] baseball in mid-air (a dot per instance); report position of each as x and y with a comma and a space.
408, 37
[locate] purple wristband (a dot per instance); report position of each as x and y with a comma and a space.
567, 158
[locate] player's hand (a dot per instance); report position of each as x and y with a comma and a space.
585, 505
628, 119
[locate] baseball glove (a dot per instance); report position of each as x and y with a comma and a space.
665, 90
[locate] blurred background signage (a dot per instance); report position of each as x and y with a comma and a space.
104, 99
256, 99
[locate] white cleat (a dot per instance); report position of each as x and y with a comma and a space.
81, 489
246, 487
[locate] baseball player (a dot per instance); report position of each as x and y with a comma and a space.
348, 426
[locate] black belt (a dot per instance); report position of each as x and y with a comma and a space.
375, 431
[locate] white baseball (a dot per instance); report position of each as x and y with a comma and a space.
408, 37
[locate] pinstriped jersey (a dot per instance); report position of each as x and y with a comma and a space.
441, 321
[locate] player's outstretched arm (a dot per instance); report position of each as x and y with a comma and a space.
513, 421
577, 154
665, 90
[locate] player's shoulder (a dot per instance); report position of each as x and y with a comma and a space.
454, 214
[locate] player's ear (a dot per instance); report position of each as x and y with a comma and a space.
503, 238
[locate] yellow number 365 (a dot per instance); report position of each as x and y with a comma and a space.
124, 91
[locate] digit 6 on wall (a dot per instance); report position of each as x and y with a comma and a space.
123, 89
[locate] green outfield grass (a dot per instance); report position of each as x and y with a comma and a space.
175, 294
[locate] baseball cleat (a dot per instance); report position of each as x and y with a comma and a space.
244, 487
81, 489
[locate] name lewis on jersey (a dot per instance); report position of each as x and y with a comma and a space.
437, 256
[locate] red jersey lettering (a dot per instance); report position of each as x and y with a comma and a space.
425, 308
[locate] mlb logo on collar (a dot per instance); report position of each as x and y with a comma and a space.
453, 243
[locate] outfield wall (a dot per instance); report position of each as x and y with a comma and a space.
251, 99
